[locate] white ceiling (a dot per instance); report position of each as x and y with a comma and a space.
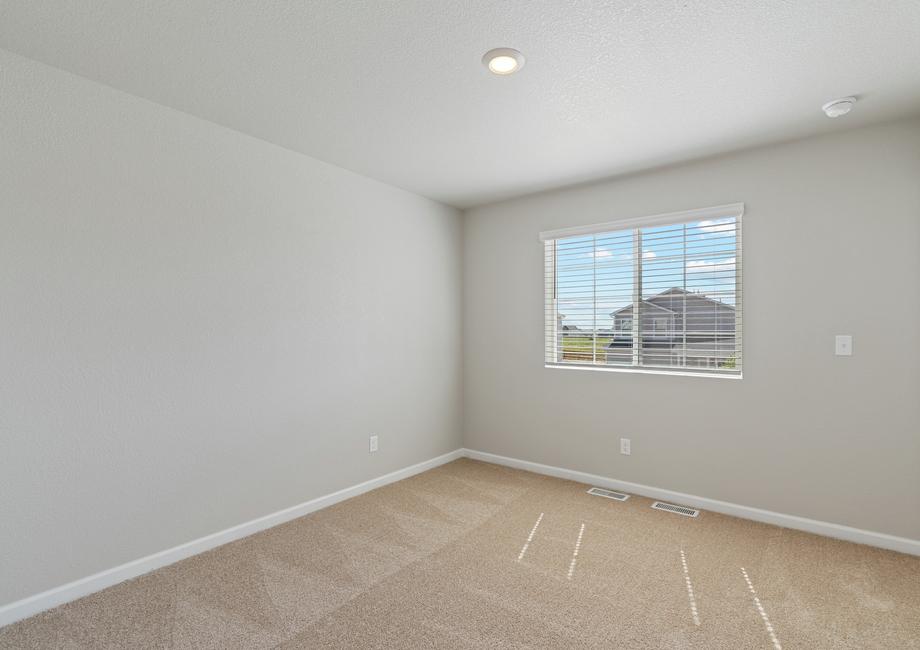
396, 91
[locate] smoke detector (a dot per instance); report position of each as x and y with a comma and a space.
839, 107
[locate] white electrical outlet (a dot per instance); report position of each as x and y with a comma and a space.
373, 444
624, 446
843, 345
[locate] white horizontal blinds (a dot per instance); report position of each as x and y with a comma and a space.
588, 276
663, 296
691, 296
550, 314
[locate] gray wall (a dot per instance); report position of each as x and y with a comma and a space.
198, 328
831, 241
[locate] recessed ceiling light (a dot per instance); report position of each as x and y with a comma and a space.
503, 60
839, 107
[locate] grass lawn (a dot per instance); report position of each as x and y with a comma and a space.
579, 348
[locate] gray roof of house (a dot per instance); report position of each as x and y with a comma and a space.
671, 293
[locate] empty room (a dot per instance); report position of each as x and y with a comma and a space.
460, 324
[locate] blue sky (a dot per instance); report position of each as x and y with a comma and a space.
594, 274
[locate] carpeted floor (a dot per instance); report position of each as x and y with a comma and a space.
473, 555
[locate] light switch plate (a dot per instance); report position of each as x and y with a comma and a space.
843, 345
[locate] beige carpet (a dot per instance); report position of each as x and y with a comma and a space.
439, 561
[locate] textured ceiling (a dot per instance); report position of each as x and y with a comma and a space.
396, 90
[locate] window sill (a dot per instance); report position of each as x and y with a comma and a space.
644, 371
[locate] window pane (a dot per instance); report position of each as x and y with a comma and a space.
663, 296
688, 276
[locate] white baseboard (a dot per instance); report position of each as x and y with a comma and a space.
45, 600
881, 540
26, 607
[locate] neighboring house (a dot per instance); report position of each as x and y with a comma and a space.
572, 330
707, 341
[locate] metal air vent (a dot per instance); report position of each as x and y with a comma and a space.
678, 510
609, 494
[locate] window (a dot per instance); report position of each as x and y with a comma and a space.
661, 293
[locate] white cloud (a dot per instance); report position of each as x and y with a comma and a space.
717, 225
708, 266
648, 255
600, 253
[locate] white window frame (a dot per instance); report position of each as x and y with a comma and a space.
551, 317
